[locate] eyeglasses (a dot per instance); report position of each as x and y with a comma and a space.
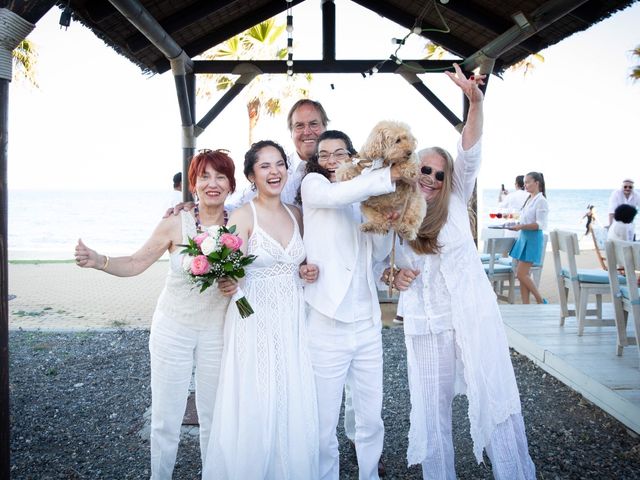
439, 175
208, 150
339, 155
314, 126
628, 187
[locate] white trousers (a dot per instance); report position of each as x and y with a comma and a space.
173, 349
348, 353
507, 449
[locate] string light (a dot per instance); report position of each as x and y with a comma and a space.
289, 38
416, 30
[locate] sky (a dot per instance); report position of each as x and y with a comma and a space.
96, 122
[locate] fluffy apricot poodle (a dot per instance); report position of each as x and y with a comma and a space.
390, 143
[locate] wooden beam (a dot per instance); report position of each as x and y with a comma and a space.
486, 19
179, 20
328, 30
316, 66
431, 97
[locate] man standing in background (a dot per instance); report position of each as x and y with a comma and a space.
624, 195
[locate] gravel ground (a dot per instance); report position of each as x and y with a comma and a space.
77, 404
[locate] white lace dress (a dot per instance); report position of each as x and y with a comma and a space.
265, 418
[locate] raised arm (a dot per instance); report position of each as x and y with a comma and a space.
166, 234
471, 88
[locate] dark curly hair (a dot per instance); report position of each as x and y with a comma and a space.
251, 157
625, 213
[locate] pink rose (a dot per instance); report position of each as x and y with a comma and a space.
232, 242
200, 265
200, 237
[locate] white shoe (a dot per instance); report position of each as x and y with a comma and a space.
398, 320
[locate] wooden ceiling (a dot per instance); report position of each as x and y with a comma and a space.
506, 31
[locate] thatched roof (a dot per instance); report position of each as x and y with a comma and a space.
479, 29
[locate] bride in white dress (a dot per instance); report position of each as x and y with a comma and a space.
265, 417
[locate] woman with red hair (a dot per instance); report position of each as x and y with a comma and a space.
187, 325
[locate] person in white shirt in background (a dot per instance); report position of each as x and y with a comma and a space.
176, 194
622, 226
514, 201
624, 195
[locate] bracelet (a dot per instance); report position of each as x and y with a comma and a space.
106, 262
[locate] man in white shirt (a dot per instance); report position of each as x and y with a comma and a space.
514, 201
306, 120
624, 195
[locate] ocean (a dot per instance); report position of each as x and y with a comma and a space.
46, 225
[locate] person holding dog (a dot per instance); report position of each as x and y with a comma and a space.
453, 329
343, 315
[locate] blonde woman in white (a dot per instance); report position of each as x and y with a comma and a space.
453, 329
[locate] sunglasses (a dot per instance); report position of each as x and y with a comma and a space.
439, 175
628, 187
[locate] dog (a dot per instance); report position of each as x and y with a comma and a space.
390, 143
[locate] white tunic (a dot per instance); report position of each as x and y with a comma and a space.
463, 296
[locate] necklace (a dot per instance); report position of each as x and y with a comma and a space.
196, 213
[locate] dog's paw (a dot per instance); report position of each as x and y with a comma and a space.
408, 232
371, 227
346, 172
410, 171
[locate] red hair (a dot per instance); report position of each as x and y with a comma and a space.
219, 160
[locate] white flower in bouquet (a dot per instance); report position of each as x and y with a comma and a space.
214, 232
208, 245
186, 263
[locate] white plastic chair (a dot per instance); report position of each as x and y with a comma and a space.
624, 290
581, 282
500, 274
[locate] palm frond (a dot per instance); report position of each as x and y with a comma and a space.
25, 58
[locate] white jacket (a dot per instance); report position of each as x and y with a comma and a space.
332, 236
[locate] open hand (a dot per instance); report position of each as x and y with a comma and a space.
469, 86
186, 206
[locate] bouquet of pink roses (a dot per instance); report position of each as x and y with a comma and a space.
216, 253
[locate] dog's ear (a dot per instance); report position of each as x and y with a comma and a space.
376, 143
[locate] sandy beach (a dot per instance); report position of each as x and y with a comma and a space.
61, 296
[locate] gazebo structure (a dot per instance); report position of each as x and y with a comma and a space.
161, 35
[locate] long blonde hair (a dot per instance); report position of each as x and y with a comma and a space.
437, 208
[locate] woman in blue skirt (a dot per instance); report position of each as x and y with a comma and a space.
528, 248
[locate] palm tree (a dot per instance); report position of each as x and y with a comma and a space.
635, 72
264, 94
25, 58
527, 64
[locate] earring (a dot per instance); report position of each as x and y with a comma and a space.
253, 187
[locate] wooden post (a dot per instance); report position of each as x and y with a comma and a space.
5, 433
18, 20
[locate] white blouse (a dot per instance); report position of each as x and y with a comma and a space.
536, 210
